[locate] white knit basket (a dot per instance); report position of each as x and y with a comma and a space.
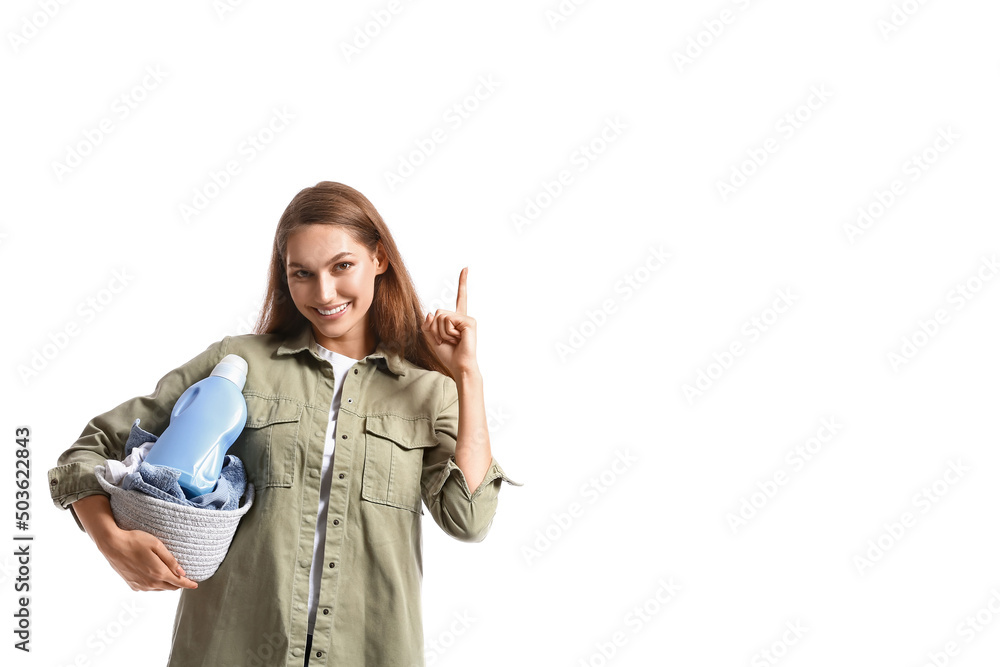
197, 537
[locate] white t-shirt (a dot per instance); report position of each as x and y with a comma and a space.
341, 364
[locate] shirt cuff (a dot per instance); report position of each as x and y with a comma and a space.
492, 473
70, 482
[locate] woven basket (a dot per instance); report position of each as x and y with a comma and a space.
198, 538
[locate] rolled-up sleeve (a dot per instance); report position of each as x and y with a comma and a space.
465, 515
105, 435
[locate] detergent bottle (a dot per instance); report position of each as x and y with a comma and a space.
205, 421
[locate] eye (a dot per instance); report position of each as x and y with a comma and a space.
296, 274
345, 264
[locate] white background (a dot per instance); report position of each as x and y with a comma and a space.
568, 560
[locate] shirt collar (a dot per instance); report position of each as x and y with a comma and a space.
304, 340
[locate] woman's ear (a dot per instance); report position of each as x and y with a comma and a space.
381, 263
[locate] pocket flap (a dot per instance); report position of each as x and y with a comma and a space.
263, 411
405, 432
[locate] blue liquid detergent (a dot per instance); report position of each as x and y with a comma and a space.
205, 421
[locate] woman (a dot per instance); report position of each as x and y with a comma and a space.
358, 409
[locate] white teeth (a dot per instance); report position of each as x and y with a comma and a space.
331, 312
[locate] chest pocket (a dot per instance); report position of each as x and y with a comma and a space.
269, 441
394, 455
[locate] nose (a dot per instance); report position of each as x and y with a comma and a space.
327, 287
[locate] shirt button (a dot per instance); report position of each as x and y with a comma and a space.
333, 564
350, 400
326, 612
336, 522
53, 482
344, 436
303, 563
313, 472
319, 654
342, 475
320, 434
296, 651
355, 371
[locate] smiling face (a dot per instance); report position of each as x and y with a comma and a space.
331, 278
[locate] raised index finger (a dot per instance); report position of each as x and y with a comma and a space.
460, 301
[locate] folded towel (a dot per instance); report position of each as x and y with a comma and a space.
161, 481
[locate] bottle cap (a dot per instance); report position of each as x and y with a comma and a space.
233, 367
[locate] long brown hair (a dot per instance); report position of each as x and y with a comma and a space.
395, 314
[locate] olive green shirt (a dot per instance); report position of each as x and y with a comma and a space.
395, 443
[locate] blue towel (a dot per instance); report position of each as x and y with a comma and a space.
161, 481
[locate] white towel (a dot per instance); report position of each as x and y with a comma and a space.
115, 471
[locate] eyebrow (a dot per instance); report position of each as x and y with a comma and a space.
333, 259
